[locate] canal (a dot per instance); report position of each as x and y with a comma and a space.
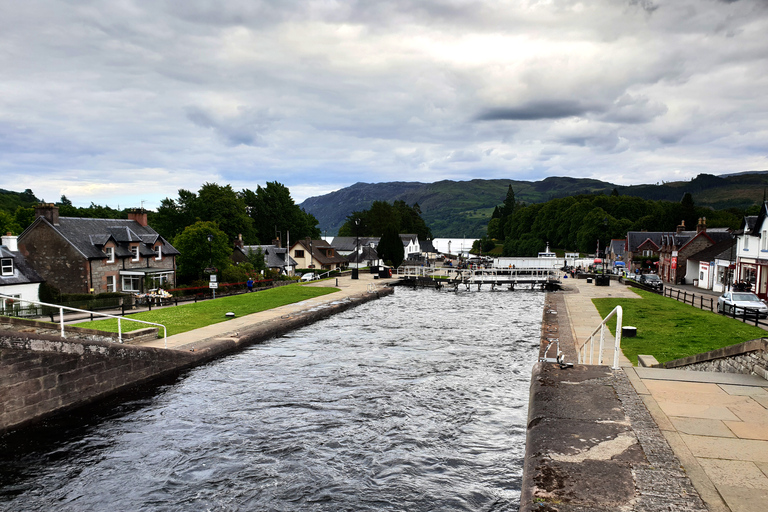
417, 401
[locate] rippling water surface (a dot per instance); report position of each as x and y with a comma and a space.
417, 401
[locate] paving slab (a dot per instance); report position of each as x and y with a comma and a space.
701, 427
695, 376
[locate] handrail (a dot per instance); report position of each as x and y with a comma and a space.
617, 346
61, 317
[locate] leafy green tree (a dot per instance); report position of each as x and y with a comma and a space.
198, 253
8, 224
274, 212
257, 260
391, 247
381, 214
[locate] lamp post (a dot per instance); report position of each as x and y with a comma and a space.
356, 270
210, 265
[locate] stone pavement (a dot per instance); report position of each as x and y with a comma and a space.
348, 288
715, 423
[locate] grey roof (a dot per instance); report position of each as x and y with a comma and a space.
22, 272
636, 238
88, 236
349, 243
617, 247
274, 256
723, 250
367, 253
406, 238
426, 246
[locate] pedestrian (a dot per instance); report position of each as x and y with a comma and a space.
249, 284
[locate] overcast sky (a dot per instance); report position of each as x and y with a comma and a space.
122, 101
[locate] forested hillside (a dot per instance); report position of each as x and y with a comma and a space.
459, 208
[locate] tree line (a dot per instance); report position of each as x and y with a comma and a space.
577, 223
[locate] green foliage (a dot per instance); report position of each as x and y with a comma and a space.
668, 329
483, 245
212, 203
381, 214
391, 247
274, 213
187, 317
197, 252
256, 259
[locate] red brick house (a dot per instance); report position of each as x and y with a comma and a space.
677, 247
80, 255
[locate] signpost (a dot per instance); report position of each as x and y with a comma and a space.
213, 284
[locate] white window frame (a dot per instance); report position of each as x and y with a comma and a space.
765, 240
159, 253
6, 264
129, 281
110, 254
111, 284
746, 242
135, 252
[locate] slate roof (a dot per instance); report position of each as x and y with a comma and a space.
406, 239
348, 243
88, 236
636, 238
723, 250
22, 272
318, 252
274, 256
617, 247
368, 254
426, 246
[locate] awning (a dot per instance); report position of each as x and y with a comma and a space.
598, 260
619, 264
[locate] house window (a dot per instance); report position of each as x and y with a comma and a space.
765, 240
10, 305
131, 283
746, 242
6, 265
299, 253
135, 252
159, 252
110, 254
110, 284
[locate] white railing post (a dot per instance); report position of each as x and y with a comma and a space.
617, 345
61, 321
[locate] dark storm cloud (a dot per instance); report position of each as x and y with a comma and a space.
539, 110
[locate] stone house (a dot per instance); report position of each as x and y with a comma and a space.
17, 279
677, 247
81, 255
641, 245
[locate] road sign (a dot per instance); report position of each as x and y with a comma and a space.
211, 270
213, 284
213, 278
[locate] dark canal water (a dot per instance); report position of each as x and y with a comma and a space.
414, 402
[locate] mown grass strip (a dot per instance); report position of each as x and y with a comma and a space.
668, 329
187, 317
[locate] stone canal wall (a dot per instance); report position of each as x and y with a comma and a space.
748, 358
42, 374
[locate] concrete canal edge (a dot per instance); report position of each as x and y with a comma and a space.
591, 444
43, 375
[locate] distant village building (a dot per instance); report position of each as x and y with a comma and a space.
316, 254
81, 255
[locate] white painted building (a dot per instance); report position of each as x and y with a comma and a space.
17, 279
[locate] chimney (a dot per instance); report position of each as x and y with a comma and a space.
9, 241
139, 215
702, 225
239, 241
276, 243
49, 212
681, 227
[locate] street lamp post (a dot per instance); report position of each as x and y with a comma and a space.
210, 264
356, 270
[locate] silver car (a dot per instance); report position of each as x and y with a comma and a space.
739, 302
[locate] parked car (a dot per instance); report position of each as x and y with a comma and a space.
739, 302
651, 280
309, 276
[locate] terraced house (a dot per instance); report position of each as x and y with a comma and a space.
81, 255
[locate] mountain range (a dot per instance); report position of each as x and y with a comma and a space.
463, 208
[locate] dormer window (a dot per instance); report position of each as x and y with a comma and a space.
159, 252
135, 252
110, 254
6, 266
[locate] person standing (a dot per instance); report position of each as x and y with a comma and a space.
249, 284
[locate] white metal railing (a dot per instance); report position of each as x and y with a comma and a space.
61, 317
601, 328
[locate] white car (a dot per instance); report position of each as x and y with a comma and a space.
309, 276
735, 303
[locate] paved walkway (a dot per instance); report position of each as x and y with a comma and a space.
348, 287
716, 424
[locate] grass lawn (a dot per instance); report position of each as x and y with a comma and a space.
667, 329
178, 319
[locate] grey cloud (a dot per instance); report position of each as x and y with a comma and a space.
539, 110
245, 128
634, 109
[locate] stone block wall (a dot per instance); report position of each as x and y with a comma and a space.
42, 375
749, 358
24, 325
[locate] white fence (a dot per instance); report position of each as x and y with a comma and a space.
601, 329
